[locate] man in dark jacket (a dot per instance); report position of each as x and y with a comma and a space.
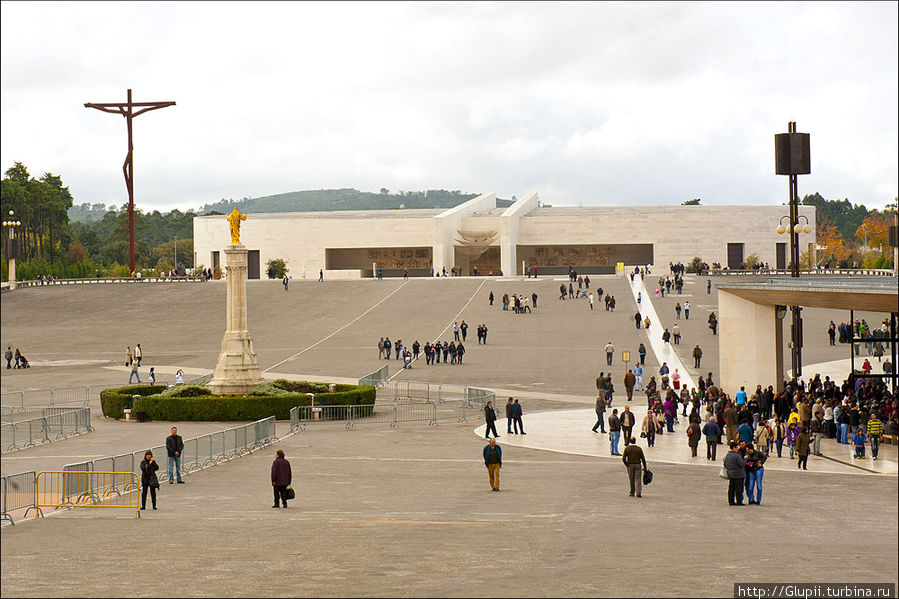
493, 459
490, 418
281, 478
632, 458
712, 435
509, 416
735, 466
600, 414
516, 417
627, 424
174, 445
614, 432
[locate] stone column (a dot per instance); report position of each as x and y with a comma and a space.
237, 372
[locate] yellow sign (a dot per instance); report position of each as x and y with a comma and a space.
619, 267
625, 356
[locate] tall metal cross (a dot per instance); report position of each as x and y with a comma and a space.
128, 111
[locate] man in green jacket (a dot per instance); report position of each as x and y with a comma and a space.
632, 458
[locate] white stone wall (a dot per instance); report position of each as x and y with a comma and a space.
678, 233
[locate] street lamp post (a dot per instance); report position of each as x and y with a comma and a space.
12, 247
792, 157
176, 255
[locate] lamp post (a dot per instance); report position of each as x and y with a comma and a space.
792, 157
12, 247
176, 255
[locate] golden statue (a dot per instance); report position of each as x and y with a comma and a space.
234, 219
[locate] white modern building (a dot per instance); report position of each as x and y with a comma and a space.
479, 236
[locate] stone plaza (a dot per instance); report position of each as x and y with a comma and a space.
407, 511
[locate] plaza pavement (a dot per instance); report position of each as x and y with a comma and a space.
408, 512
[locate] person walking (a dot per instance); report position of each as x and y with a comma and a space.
817, 430
284, 282
516, 417
591, 301
490, 418
138, 354
694, 434
491, 298
708, 287
635, 462
174, 445
456, 331
735, 466
666, 337
675, 331
875, 433
509, 415
642, 352
648, 428
712, 433
129, 356
493, 459
638, 376
630, 381
134, 373
697, 356
281, 478
614, 432
687, 310
321, 275
148, 480
628, 420
610, 351
677, 310
600, 413
803, 445
8, 356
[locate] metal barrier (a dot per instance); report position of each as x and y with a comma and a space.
375, 378
86, 488
19, 401
110, 280
58, 422
18, 492
391, 414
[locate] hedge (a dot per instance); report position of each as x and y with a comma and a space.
225, 407
113, 401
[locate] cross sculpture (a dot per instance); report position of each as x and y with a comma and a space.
128, 111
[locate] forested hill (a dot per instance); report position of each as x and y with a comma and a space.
320, 200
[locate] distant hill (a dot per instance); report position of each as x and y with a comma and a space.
323, 200
317, 200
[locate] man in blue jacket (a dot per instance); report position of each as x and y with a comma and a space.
493, 459
516, 418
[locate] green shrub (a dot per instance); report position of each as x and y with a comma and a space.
186, 390
271, 390
158, 406
301, 386
113, 401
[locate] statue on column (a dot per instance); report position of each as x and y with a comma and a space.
234, 219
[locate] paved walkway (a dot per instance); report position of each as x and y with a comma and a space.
569, 432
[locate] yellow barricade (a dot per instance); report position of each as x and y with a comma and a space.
58, 489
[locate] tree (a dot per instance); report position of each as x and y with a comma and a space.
76, 253
830, 240
276, 268
384, 191
875, 229
693, 202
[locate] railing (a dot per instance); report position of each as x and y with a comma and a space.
436, 393
59, 423
375, 378
20, 401
18, 493
102, 280
86, 489
848, 272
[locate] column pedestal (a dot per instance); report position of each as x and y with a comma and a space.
237, 372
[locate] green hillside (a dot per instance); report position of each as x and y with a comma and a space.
320, 200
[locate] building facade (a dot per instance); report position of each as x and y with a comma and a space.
478, 238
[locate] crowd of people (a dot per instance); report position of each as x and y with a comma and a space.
21, 360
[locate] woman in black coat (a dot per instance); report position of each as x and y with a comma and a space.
148, 480
281, 478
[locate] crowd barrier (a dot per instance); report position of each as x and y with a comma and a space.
86, 489
59, 423
436, 393
391, 414
846, 272
18, 493
20, 490
375, 378
109, 280
20, 401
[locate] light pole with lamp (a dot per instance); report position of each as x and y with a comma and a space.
792, 157
176, 256
12, 247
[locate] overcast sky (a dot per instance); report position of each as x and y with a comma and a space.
606, 103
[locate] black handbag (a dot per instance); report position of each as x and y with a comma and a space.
647, 477
291, 494
154, 482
